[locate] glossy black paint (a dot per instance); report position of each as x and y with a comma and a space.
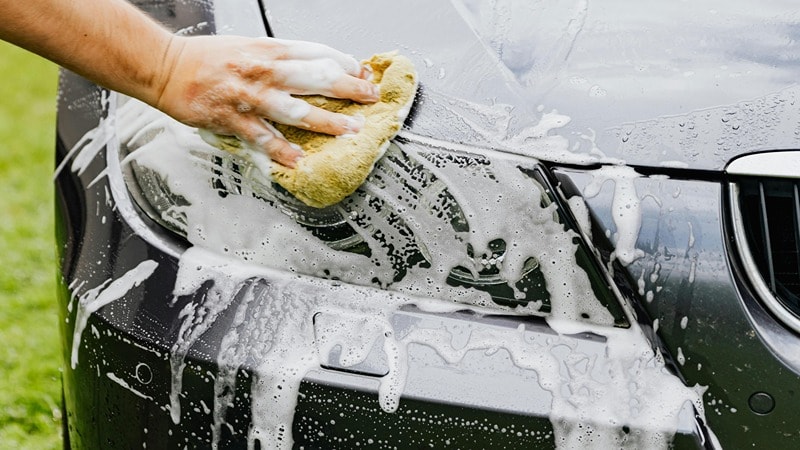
117, 395
730, 342
655, 82
95, 244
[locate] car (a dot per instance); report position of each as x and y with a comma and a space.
586, 235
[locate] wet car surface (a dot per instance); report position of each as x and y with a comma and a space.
551, 253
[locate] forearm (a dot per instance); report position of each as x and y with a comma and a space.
226, 84
108, 41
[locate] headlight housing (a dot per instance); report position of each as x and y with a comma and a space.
426, 222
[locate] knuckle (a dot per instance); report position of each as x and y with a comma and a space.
252, 70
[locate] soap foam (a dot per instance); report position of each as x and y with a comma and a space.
104, 294
239, 239
626, 208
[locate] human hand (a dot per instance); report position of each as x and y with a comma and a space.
229, 85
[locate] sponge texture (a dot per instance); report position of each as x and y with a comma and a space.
334, 167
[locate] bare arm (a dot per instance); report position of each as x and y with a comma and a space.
226, 84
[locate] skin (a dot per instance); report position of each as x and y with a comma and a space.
226, 84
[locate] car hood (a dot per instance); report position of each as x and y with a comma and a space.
651, 83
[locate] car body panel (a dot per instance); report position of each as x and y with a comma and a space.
135, 362
655, 83
695, 296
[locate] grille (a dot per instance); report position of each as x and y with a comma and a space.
770, 214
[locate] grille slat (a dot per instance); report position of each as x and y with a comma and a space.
767, 242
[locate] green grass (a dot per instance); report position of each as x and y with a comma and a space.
30, 392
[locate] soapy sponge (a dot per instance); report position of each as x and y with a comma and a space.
334, 167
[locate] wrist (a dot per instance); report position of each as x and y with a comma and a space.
165, 69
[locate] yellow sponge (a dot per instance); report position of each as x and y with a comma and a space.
334, 167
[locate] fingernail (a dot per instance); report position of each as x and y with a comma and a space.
366, 72
294, 157
375, 92
354, 124
262, 140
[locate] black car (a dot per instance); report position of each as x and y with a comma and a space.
587, 235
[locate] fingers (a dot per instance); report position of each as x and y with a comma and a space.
355, 89
283, 108
263, 136
253, 81
302, 50
323, 121
325, 77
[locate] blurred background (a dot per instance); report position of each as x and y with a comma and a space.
30, 360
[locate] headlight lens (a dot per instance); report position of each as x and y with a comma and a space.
427, 221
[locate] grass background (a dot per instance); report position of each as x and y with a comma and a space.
30, 361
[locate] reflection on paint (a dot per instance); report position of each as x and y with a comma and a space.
242, 237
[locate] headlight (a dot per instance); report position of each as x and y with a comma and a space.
481, 229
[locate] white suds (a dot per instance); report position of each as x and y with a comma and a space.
127, 386
102, 295
248, 243
626, 208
